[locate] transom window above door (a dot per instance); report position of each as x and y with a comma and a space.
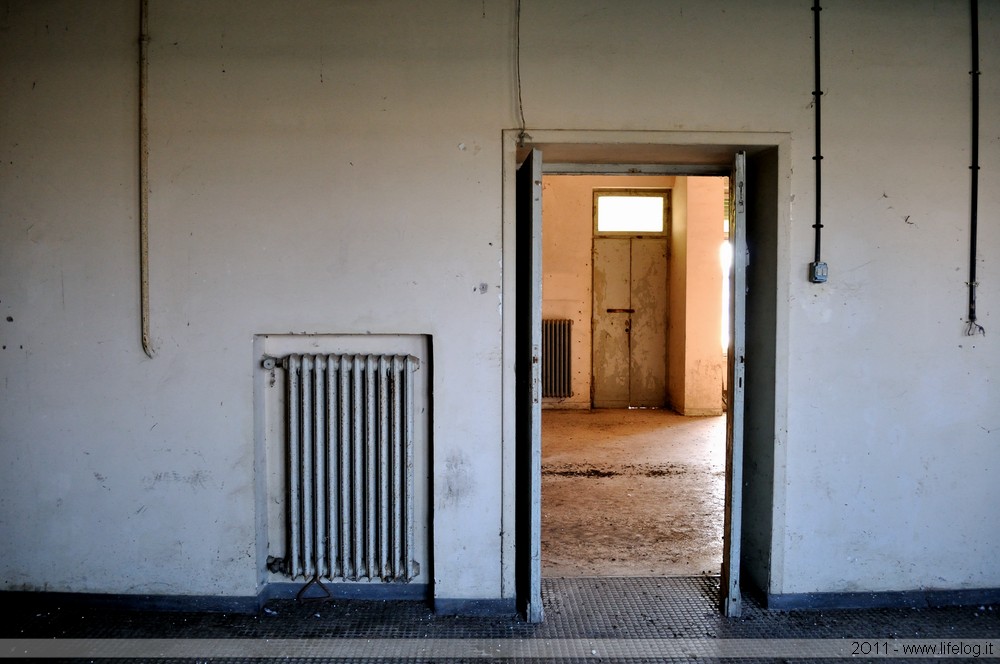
631, 211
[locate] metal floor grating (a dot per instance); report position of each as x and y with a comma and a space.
591, 620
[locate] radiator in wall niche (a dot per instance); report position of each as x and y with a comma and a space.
349, 467
557, 353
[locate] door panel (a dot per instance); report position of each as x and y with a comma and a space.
612, 304
648, 362
731, 599
630, 323
528, 379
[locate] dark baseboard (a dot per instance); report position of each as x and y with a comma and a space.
252, 604
475, 607
127, 602
373, 591
244, 604
881, 600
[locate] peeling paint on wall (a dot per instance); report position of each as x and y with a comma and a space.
196, 479
458, 482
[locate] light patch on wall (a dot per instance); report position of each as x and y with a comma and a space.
726, 262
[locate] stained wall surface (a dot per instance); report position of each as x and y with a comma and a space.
337, 168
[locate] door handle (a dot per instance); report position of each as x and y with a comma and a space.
621, 311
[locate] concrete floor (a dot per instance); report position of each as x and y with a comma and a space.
631, 493
628, 620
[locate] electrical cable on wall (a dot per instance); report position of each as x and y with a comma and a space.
147, 344
517, 71
973, 328
818, 270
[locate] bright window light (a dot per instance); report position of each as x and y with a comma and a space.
630, 214
726, 262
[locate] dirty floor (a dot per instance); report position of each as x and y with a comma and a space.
631, 493
630, 619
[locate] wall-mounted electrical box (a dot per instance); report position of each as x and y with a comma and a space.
817, 272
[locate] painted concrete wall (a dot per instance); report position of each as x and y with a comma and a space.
291, 192
676, 329
567, 264
337, 168
696, 359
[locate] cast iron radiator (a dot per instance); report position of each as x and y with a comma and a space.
556, 354
349, 466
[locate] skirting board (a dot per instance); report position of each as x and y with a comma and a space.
166, 603
245, 604
375, 591
475, 607
881, 600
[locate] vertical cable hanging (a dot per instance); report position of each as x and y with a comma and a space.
517, 71
817, 269
973, 327
147, 345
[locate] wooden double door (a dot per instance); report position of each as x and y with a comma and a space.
629, 362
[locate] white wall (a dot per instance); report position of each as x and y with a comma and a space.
696, 359
291, 192
567, 273
336, 168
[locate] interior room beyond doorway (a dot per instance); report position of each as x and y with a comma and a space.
636, 491
692, 282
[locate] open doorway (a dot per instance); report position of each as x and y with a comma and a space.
756, 365
633, 464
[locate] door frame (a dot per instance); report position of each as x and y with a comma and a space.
678, 153
528, 401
